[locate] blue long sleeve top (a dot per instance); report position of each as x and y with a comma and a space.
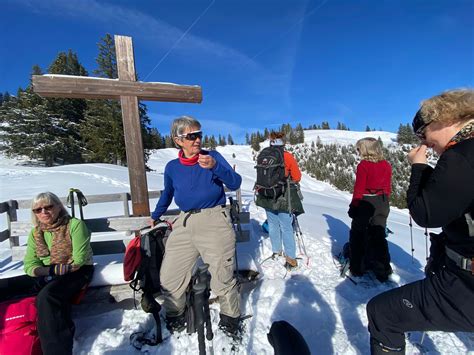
194, 187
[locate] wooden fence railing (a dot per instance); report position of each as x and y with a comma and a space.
124, 223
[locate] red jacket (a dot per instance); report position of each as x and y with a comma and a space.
291, 167
372, 178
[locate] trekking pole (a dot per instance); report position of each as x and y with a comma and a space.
426, 243
81, 201
411, 238
70, 202
234, 215
198, 290
299, 234
205, 279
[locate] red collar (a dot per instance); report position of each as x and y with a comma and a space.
187, 161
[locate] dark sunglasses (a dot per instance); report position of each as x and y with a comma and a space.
419, 125
420, 133
191, 136
47, 208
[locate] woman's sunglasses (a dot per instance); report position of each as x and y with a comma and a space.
47, 208
420, 132
191, 136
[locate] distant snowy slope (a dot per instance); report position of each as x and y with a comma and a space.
332, 136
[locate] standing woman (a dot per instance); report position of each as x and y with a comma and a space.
59, 255
440, 197
280, 210
369, 210
196, 181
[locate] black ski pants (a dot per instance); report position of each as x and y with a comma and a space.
442, 302
55, 325
367, 239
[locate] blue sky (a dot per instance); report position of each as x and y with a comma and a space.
261, 63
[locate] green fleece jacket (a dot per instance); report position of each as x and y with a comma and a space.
81, 247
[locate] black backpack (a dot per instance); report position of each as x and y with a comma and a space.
152, 248
271, 180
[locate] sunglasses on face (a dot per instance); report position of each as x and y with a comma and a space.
191, 136
47, 208
419, 125
420, 132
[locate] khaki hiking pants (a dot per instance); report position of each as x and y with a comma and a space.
208, 233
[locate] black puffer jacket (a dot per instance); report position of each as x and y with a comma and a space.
444, 196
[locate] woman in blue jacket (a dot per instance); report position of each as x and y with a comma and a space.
203, 228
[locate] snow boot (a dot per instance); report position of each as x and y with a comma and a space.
231, 326
381, 271
176, 324
291, 263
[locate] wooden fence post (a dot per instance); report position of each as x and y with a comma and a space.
12, 217
126, 209
238, 195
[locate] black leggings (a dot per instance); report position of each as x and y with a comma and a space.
369, 248
55, 325
442, 302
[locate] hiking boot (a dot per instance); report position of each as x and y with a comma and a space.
276, 255
175, 324
231, 326
382, 272
291, 263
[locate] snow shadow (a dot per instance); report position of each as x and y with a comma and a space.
338, 232
304, 308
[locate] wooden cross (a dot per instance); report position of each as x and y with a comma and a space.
129, 91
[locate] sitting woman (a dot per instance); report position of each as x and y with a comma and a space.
59, 255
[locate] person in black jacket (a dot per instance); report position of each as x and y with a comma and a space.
440, 197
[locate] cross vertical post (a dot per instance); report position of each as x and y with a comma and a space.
132, 129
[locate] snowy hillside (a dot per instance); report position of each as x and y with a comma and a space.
328, 310
347, 137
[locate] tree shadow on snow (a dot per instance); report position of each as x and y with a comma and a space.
304, 308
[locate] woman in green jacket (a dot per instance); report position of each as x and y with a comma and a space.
59, 255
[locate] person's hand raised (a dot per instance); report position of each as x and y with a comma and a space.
206, 161
418, 155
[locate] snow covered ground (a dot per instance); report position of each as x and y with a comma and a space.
328, 310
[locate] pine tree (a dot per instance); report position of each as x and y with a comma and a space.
30, 130
212, 143
255, 143
41, 128
405, 135
69, 113
230, 140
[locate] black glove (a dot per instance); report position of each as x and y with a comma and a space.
59, 269
352, 211
437, 251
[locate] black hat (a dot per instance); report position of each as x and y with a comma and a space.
418, 122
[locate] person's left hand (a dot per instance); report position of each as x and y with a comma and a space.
206, 161
418, 155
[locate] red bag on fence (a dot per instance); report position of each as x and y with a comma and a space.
18, 332
132, 259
